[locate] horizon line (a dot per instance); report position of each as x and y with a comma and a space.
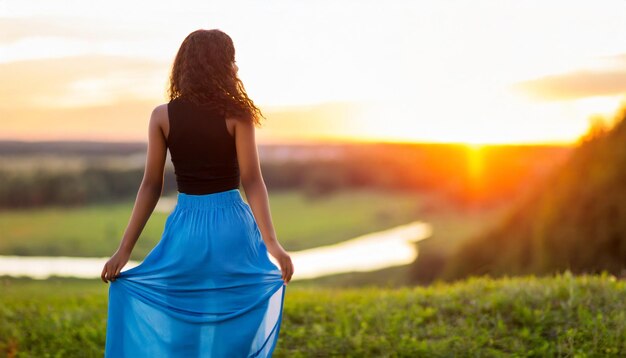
314, 141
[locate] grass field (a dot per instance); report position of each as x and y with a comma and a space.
300, 223
564, 315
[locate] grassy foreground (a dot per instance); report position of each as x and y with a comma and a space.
563, 315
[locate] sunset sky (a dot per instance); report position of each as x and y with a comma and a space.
438, 71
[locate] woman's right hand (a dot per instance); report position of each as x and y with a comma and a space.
284, 260
114, 265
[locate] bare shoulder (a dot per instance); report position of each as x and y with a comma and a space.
160, 112
159, 119
159, 116
239, 125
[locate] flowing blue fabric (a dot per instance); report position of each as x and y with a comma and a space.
207, 289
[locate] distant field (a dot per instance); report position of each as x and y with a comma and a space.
300, 223
561, 316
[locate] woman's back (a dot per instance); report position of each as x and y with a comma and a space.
202, 150
208, 287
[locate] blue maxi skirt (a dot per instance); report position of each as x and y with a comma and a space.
207, 289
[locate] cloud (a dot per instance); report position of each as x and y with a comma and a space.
88, 78
126, 119
618, 60
578, 84
15, 29
38, 38
111, 97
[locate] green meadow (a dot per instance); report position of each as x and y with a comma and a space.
561, 315
301, 222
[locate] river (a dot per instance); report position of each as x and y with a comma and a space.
368, 252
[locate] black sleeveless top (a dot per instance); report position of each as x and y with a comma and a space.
202, 150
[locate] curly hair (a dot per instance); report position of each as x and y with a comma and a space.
203, 73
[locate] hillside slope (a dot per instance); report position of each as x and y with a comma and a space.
576, 219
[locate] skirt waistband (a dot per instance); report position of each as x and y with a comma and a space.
211, 200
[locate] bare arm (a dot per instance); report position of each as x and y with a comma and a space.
256, 193
147, 197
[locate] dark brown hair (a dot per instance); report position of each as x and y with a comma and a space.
203, 73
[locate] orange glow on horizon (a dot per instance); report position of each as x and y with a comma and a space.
475, 167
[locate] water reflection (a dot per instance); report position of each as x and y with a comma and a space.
369, 252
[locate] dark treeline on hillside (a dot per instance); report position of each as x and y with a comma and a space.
40, 188
13, 147
575, 219
466, 177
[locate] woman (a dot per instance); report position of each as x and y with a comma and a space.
208, 288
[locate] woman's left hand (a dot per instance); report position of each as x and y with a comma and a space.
115, 264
